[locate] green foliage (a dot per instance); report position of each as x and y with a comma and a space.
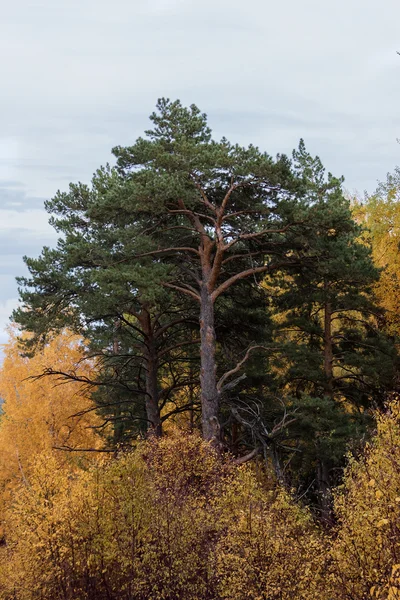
129, 243
185, 226
335, 363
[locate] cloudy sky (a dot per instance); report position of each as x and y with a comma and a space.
80, 76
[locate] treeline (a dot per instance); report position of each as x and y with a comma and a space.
199, 288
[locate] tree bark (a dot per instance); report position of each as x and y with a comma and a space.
118, 424
328, 350
276, 464
324, 492
152, 392
208, 379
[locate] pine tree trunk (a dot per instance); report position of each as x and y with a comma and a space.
324, 492
152, 394
328, 350
152, 408
325, 495
208, 381
118, 423
191, 395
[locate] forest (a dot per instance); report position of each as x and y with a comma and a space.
201, 382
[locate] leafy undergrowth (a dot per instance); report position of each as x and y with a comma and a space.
172, 520
169, 520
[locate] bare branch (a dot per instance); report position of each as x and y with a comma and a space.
257, 234
233, 384
227, 196
186, 211
244, 255
166, 250
242, 212
227, 284
69, 449
239, 365
176, 346
203, 195
183, 290
243, 459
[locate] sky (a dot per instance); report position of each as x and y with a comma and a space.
81, 76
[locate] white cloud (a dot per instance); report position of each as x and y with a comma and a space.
82, 75
28, 223
6, 309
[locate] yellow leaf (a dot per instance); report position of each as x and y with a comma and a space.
382, 522
394, 593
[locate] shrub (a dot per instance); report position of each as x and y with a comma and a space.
367, 549
167, 521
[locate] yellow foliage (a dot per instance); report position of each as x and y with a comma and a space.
381, 216
271, 549
168, 521
367, 549
37, 412
173, 520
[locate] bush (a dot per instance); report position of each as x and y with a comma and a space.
367, 550
168, 521
270, 548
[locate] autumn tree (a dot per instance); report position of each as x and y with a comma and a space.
167, 520
37, 415
379, 213
366, 552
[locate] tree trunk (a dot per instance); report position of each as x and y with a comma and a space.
324, 492
151, 358
208, 381
118, 428
276, 464
152, 408
328, 350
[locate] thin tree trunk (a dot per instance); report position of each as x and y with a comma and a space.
152, 393
328, 350
235, 437
152, 407
276, 464
208, 380
118, 424
191, 394
325, 494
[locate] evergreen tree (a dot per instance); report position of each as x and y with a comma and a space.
225, 214
335, 362
181, 214
136, 332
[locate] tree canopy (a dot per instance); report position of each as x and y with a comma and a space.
186, 237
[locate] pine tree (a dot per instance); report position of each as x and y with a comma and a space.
182, 216
135, 331
335, 362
